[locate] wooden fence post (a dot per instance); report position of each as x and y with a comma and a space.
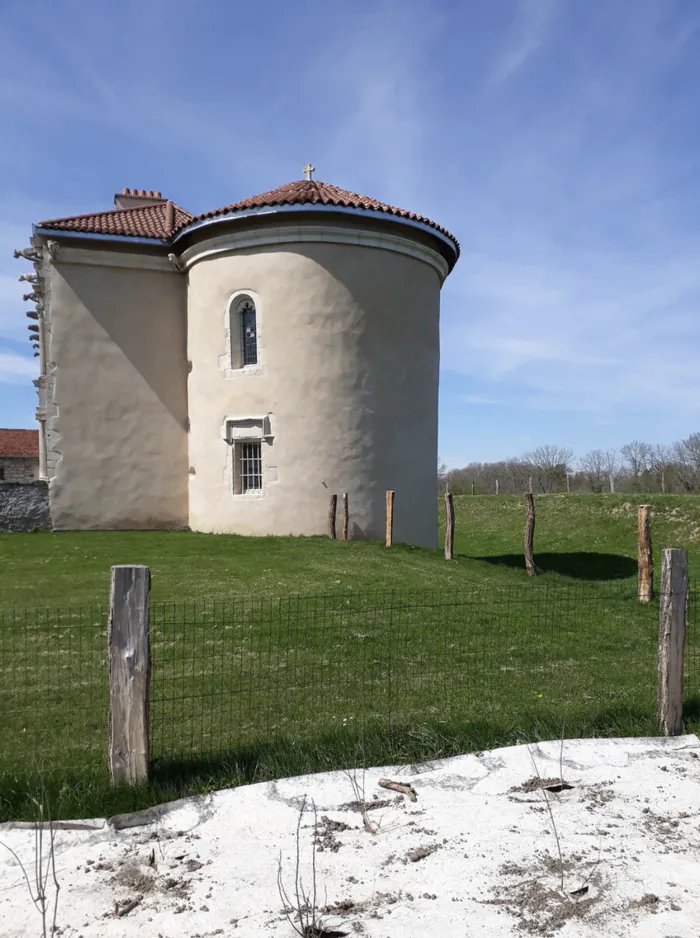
612, 484
673, 614
530, 486
472, 486
449, 526
530, 535
129, 658
645, 563
496, 486
663, 481
389, 518
568, 484
346, 516
332, 511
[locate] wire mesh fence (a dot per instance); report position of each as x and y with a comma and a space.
53, 689
250, 672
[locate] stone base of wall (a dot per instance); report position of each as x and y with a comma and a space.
24, 506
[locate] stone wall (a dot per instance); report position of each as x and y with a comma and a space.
19, 469
24, 506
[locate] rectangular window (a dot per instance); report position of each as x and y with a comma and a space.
249, 466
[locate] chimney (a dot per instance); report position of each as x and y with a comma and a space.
135, 198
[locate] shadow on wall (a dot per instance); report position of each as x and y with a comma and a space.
579, 565
144, 313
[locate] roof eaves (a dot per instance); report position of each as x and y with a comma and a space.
212, 218
97, 236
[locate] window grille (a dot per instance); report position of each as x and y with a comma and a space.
250, 462
249, 334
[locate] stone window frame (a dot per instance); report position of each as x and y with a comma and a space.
234, 334
241, 430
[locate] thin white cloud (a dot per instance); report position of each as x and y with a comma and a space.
16, 369
579, 284
574, 196
477, 399
606, 342
533, 20
379, 97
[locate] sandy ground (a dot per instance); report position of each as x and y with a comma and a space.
474, 855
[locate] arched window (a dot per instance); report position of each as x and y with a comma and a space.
249, 332
242, 331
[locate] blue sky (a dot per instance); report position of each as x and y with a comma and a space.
558, 139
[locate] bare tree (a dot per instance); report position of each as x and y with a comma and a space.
661, 462
687, 463
517, 471
637, 457
551, 465
611, 465
442, 477
593, 467
635, 465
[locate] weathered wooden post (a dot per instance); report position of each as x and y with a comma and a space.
663, 481
346, 516
530, 485
472, 486
568, 484
129, 659
449, 526
389, 518
332, 511
530, 535
673, 614
612, 484
496, 486
645, 563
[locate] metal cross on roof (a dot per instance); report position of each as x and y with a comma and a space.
309, 170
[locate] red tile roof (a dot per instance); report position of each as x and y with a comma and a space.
163, 219
158, 221
19, 443
315, 192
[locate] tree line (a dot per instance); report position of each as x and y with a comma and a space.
635, 467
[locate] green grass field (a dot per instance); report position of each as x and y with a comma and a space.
583, 538
274, 656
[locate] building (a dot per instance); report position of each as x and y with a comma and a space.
231, 370
19, 455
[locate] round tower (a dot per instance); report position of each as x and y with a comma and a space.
313, 347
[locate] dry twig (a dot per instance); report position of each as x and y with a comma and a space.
358, 790
43, 867
302, 912
407, 790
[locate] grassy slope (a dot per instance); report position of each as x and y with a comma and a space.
464, 677
583, 538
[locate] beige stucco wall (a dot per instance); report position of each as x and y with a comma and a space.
349, 349
117, 387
